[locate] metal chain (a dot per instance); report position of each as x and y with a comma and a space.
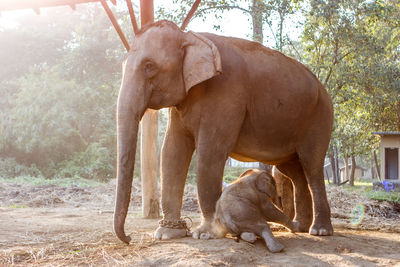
178, 224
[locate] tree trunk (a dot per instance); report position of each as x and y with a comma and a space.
257, 20
149, 165
149, 158
353, 167
372, 169
377, 169
346, 169
281, 16
335, 151
327, 176
332, 161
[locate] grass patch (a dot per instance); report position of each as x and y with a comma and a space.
382, 195
40, 181
365, 188
13, 206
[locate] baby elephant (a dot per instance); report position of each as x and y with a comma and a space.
246, 205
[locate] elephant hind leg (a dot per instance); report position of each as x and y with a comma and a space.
302, 197
322, 215
311, 155
262, 229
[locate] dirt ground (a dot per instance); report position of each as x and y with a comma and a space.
57, 226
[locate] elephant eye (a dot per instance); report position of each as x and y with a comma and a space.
150, 69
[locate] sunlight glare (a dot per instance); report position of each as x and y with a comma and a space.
9, 19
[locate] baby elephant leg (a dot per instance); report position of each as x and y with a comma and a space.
271, 242
261, 228
248, 237
272, 214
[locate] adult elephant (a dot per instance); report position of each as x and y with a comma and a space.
227, 97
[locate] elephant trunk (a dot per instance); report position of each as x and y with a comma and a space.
128, 118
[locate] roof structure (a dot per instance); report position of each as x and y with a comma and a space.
386, 133
8, 5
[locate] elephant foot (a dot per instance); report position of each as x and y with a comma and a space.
295, 227
320, 229
204, 231
248, 237
164, 233
275, 247
208, 230
302, 227
272, 244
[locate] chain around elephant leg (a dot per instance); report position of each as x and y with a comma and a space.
172, 229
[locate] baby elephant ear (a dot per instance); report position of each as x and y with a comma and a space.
265, 184
202, 60
248, 172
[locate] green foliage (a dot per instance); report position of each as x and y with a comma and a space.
352, 47
10, 168
93, 163
58, 92
270, 15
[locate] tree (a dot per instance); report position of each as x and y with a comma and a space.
347, 46
260, 12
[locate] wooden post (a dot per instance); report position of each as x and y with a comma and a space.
149, 165
149, 134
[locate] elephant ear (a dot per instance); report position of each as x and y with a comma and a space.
202, 60
265, 183
247, 173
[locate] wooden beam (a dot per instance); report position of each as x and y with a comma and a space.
132, 15
149, 134
115, 23
146, 12
6, 5
190, 14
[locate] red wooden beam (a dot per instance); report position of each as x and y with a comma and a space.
37, 4
146, 12
115, 23
6, 5
132, 15
190, 14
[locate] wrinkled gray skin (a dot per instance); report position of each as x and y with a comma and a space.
246, 205
227, 97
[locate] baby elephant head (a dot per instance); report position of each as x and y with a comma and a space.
264, 183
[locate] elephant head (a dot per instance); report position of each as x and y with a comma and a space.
265, 183
163, 65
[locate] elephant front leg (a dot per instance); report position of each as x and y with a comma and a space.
176, 155
272, 214
210, 172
